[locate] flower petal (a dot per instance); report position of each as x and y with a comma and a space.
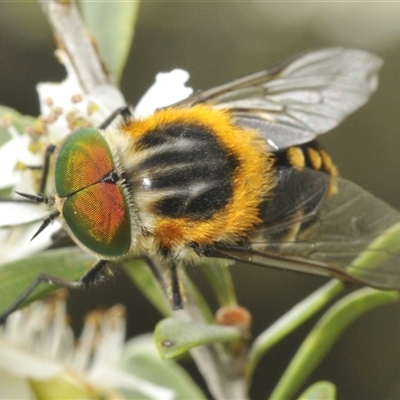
16, 213
14, 387
17, 244
26, 364
105, 375
8, 159
168, 88
67, 101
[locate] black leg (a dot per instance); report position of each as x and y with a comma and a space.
40, 198
169, 283
176, 291
123, 111
43, 181
93, 276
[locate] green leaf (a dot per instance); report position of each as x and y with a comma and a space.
145, 280
323, 390
368, 259
325, 333
218, 274
378, 251
147, 283
112, 23
174, 337
142, 359
289, 322
192, 293
9, 116
15, 277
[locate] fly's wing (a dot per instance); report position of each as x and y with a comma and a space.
350, 234
298, 99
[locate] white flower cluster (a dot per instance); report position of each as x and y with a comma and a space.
39, 355
64, 108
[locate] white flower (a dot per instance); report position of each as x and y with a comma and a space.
64, 108
39, 356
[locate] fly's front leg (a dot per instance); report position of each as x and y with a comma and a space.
46, 166
166, 274
91, 278
175, 288
124, 112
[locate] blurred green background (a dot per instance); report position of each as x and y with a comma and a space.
217, 42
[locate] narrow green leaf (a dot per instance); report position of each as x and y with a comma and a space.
370, 258
145, 280
323, 390
289, 322
218, 274
15, 277
373, 256
192, 292
142, 359
174, 337
112, 23
324, 334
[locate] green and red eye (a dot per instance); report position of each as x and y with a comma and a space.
95, 209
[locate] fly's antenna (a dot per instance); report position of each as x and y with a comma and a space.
41, 199
46, 222
38, 198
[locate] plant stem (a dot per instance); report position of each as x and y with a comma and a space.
71, 36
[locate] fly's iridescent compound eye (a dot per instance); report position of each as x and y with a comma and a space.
90, 196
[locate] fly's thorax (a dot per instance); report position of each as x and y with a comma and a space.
181, 171
194, 176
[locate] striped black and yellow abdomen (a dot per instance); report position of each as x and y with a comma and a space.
307, 155
305, 178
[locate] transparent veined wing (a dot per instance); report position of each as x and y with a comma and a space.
298, 99
349, 234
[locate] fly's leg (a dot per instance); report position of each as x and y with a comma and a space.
40, 198
175, 288
124, 112
91, 278
169, 282
46, 165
